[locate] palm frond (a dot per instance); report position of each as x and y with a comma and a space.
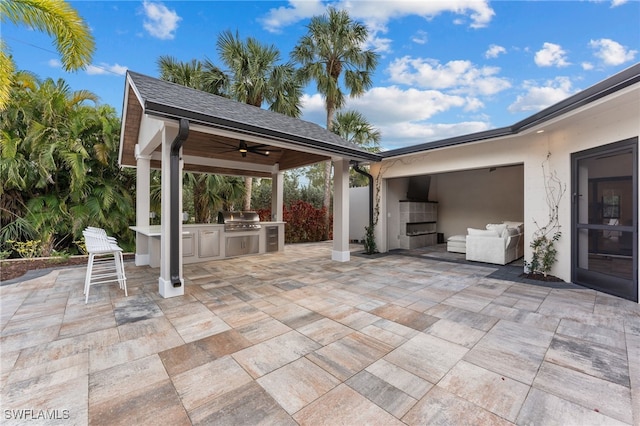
73, 38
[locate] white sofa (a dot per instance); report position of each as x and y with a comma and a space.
499, 243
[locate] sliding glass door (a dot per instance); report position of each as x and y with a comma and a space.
605, 219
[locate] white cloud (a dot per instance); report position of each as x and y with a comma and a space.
611, 52
420, 37
54, 63
460, 77
403, 116
378, 44
494, 51
104, 68
383, 105
160, 22
587, 66
297, 10
376, 14
400, 135
551, 55
616, 3
540, 97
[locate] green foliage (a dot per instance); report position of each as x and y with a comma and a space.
27, 249
370, 240
261, 195
71, 34
544, 254
59, 167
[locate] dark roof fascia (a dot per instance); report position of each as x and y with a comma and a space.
604, 88
591, 94
169, 112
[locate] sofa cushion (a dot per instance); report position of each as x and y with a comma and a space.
457, 238
482, 232
510, 232
499, 228
514, 224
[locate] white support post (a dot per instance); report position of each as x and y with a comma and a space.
165, 286
341, 251
143, 203
277, 196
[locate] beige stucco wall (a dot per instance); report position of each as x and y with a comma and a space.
611, 119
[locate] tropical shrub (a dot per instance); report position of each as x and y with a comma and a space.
304, 223
59, 167
370, 246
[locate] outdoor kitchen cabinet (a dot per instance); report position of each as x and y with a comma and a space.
272, 242
206, 241
241, 245
209, 243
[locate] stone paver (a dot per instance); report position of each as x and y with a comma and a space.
416, 337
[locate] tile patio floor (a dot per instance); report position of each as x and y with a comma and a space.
294, 338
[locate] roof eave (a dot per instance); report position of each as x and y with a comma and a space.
169, 112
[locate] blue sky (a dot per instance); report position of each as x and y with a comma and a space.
446, 67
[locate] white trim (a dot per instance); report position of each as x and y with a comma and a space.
340, 256
168, 290
142, 259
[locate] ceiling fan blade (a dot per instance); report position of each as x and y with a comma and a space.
226, 151
234, 146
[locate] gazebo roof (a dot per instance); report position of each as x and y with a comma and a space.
217, 127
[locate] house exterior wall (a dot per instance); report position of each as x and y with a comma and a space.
610, 119
358, 212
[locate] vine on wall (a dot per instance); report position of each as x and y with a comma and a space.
544, 254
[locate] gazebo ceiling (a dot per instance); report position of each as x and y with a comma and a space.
218, 126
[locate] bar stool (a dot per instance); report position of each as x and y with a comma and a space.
106, 263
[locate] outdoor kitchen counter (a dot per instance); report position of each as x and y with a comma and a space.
202, 242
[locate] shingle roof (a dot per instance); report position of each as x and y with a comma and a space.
166, 99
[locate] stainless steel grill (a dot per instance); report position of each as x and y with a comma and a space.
239, 221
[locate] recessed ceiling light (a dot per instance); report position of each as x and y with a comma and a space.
540, 131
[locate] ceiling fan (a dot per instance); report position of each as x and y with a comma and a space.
243, 149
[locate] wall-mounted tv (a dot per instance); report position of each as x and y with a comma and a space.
418, 189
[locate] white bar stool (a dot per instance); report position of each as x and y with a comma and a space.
106, 263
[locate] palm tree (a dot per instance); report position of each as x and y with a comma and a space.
58, 163
354, 127
257, 78
195, 74
333, 44
209, 78
72, 37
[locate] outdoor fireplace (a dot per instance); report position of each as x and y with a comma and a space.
420, 228
418, 223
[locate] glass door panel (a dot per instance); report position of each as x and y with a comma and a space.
606, 219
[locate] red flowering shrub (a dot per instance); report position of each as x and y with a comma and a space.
304, 223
